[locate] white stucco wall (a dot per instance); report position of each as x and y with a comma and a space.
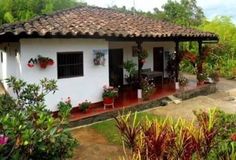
127, 51
88, 87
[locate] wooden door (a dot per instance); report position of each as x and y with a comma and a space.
158, 59
116, 67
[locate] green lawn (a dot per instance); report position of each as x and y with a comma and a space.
108, 128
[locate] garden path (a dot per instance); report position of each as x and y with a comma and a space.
94, 146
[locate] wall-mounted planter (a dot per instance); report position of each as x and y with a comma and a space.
43, 62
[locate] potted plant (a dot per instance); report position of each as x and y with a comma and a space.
142, 56
109, 93
44, 61
183, 81
148, 88
201, 77
215, 76
129, 66
84, 106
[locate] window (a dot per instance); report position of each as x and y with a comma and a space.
70, 64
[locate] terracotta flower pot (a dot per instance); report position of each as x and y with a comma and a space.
43, 65
107, 100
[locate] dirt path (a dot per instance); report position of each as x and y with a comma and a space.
93, 146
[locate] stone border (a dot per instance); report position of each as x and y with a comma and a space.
202, 90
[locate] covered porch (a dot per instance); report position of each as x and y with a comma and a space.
128, 99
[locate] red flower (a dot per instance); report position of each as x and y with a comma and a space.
30, 65
233, 137
3, 139
50, 62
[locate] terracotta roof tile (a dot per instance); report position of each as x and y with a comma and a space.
92, 21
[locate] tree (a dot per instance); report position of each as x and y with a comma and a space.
185, 12
21, 10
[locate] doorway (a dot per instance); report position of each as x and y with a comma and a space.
116, 67
158, 59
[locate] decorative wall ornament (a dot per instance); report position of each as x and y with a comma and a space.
42, 61
99, 56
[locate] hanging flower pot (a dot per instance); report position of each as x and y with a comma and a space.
44, 62
30, 65
43, 65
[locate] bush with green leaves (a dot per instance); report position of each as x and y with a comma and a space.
31, 129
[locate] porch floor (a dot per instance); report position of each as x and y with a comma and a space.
128, 98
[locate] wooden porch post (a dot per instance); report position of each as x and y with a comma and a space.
200, 57
177, 61
139, 50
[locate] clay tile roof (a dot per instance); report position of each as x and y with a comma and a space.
95, 21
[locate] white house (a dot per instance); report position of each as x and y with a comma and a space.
73, 38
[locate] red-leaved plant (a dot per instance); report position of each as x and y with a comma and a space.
168, 139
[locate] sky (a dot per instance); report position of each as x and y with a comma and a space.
211, 8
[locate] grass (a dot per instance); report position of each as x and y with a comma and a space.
110, 132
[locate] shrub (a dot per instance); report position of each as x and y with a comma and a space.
64, 108
32, 131
167, 139
148, 88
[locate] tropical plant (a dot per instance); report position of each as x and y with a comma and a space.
168, 139
30, 131
130, 68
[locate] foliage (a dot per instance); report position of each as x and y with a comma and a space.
148, 88
32, 131
130, 68
168, 139
21, 10
110, 92
185, 12
201, 76
143, 54
64, 108
84, 106
225, 137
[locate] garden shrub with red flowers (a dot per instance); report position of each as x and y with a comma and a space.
27, 129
